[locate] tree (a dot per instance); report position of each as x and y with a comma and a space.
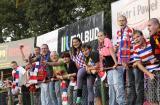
36, 17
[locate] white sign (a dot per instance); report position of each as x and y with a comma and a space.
50, 38
137, 13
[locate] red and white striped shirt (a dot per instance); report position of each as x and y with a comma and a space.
146, 56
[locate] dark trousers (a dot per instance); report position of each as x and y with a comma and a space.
135, 87
25, 95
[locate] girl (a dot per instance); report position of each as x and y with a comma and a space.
114, 77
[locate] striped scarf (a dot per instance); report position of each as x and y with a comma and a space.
156, 39
125, 39
33, 73
15, 75
64, 93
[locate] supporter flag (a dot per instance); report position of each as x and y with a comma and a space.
64, 93
102, 75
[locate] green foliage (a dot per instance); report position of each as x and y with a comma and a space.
36, 17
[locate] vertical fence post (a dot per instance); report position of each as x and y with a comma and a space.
32, 98
103, 93
10, 98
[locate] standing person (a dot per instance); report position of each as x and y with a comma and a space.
154, 32
114, 76
78, 58
134, 78
45, 86
32, 60
72, 72
17, 73
58, 71
144, 55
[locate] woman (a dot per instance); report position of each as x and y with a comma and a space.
78, 58
114, 76
71, 76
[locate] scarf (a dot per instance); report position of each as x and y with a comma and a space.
125, 44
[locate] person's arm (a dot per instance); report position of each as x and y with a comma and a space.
143, 69
22, 53
67, 76
58, 63
111, 50
94, 67
54, 63
113, 56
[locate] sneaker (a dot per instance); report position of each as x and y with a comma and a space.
78, 100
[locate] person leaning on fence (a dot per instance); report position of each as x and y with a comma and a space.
123, 47
71, 76
134, 78
91, 66
154, 32
44, 75
144, 55
17, 73
78, 57
114, 76
31, 75
58, 71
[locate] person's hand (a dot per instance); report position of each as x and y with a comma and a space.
21, 47
59, 77
44, 62
125, 65
134, 65
151, 76
72, 78
88, 70
115, 65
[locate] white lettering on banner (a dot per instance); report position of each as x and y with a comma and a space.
86, 36
139, 10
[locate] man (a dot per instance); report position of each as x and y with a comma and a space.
143, 54
154, 32
17, 73
134, 78
46, 87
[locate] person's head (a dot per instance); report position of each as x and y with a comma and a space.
76, 42
66, 57
101, 36
153, 26
54, 56
14, 64
86, 49
138, 37
37, 50
122, 21
44, 49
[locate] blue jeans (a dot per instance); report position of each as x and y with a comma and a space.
81, 75
135, 87
57, 93
71, 95
53, 93
45, 95
116, 86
